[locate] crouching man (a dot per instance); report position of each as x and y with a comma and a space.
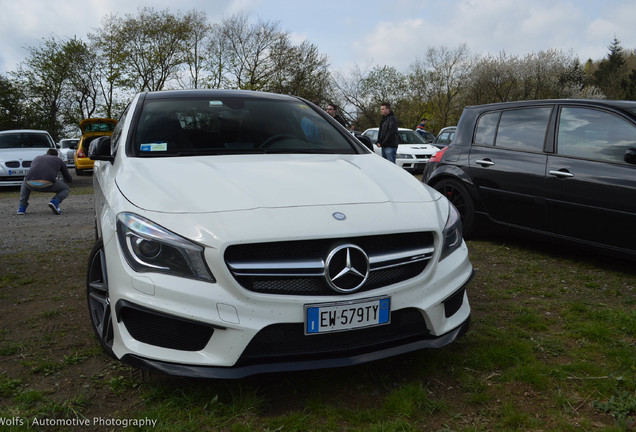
42, 177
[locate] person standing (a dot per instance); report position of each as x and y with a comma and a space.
332, 110
42, 177
388, 133
421, 128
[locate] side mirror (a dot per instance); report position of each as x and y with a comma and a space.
366, 141
630, 156
99, 149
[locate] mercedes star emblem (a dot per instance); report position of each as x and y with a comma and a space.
347, 268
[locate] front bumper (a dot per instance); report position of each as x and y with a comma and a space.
289, 365
83, 164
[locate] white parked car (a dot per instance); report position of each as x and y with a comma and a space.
67, 148
243, 233
413, 152
17, 149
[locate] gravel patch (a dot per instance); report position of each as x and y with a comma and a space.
40, 227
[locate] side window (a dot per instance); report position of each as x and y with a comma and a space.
373, 135
486, 128
523, 129
593, 134
116, 136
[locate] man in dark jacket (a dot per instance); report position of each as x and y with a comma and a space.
388, 133
42, 177
332, 110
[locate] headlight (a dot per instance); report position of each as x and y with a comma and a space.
151, 248
404, 156
452, 233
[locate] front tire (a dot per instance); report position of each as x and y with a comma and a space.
97, 295
458, 195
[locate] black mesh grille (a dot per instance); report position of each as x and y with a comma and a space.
318, 286
287, 342
12, 164
165, 331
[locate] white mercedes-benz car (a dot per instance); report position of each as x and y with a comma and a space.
241, 233
413, 152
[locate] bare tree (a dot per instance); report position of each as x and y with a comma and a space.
152, 46
194, 52
109, 70
299, 70
247, 50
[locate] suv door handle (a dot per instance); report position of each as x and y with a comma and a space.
561, 173
484, 162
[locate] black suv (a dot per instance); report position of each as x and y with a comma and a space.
562, 168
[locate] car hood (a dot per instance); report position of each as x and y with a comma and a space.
233, 183
21, 153
417, 148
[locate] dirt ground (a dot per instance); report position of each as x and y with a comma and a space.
40, 226
45, 333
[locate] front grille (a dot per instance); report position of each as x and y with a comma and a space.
288, 342
163, 330
16, 164
298, 267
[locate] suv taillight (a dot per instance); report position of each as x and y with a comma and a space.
437, 157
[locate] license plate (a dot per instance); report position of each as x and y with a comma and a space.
341, 316
18, 172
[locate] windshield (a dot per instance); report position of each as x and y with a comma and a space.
234, 125
24, 140
69, 143
97, 126
410, 137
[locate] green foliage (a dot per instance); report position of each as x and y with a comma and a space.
611, 72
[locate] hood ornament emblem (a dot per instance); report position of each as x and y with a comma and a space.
339, 216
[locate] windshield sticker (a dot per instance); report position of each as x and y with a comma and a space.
216, 103
152, 147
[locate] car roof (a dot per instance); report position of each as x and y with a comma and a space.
620, 104
206, 93
23, 131
399, 129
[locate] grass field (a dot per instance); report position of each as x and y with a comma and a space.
552, 347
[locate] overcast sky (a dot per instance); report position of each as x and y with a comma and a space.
361, 32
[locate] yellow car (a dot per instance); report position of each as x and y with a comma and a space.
91, 129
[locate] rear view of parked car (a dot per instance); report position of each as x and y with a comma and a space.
559, 168
17, 150
91, 128
242, 233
